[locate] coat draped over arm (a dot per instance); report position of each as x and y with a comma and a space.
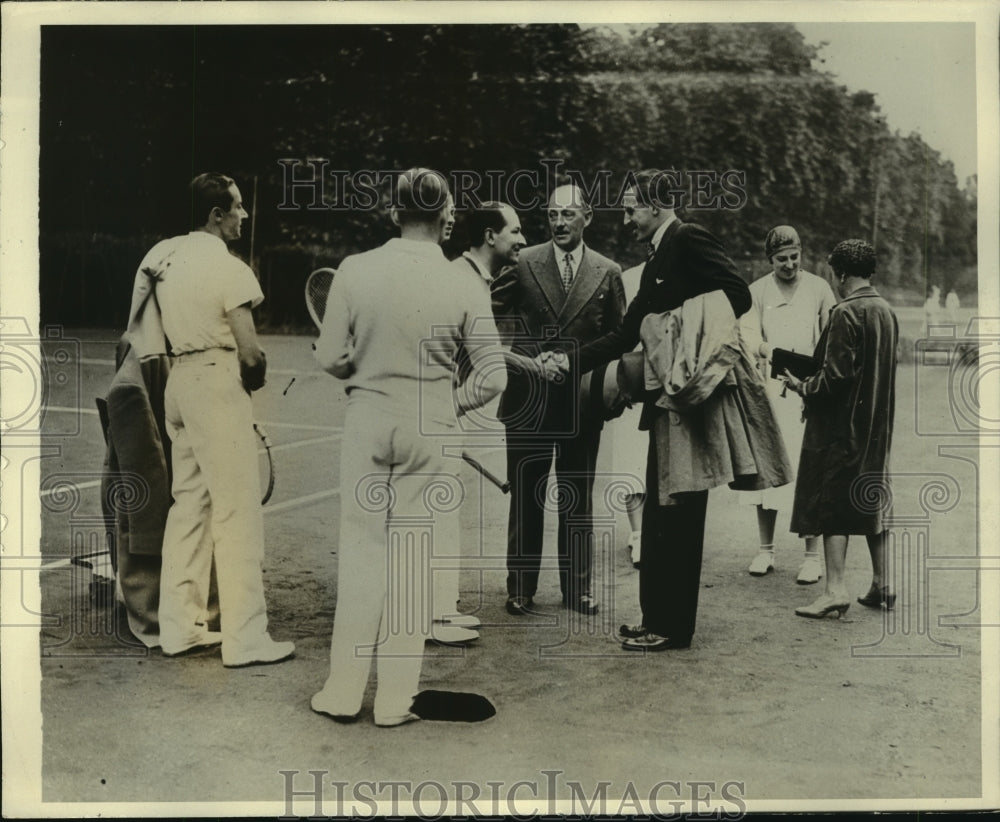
718, 425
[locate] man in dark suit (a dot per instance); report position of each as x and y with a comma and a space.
685, 260
561, 295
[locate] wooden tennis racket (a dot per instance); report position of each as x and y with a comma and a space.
317, 289
266, 462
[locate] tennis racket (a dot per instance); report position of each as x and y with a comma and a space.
317, 289
482, 469
265, 461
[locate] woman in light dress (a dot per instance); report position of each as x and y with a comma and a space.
790, 309
631, 444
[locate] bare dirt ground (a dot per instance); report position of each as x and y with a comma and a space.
766, 710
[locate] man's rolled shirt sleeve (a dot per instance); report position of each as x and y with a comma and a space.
481, 341
240, 286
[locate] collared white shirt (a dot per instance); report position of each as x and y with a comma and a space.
575, 256
201, 281
658, 234
395, 317
487, 278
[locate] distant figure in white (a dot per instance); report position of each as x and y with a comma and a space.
951, 306
932, 308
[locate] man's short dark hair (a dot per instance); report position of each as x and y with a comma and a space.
488, 215
421, 194
209, 190
853, 258
655, 188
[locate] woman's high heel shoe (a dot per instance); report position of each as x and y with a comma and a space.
877, 597
823, 607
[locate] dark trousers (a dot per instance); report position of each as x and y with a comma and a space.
672, 541
529, 458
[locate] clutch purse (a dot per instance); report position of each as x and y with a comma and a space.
800, 366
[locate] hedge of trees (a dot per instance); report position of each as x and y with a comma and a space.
129, 114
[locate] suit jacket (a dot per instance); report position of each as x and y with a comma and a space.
138, 454
535, 313
689, 261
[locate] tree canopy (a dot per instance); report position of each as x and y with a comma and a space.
130, 114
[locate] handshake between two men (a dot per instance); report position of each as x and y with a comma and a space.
553, 365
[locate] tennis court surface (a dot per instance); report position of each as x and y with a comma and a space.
764, 709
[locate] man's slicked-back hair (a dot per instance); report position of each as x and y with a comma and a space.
209, 190
853, 258
645, 186
488, 215
421, 195
655, 187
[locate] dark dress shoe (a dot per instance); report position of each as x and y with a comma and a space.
519, 606
585, 605
655, 642
877, 597
631, 631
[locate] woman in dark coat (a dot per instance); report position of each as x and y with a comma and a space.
843, 478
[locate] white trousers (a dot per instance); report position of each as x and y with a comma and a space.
216, 510
399, 501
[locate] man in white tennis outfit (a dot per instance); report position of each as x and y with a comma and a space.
395, 319
205, 295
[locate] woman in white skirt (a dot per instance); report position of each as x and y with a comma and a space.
790, 309
631, 444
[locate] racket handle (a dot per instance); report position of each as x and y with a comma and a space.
482, 469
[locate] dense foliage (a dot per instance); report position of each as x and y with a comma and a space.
129, 114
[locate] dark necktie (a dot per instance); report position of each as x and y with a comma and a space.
650, 251
567, 273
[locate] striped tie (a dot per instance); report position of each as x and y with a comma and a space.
567, 274
650, 251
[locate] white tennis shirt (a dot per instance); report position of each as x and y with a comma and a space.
199, 282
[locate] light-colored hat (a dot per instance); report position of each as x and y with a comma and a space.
609, 389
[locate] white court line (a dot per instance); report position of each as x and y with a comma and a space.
299, 443
86, 361
76, 486
65, 410
295, 503
79, 486
302, 426
268, 509
333, 429
57, 564
284, 372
